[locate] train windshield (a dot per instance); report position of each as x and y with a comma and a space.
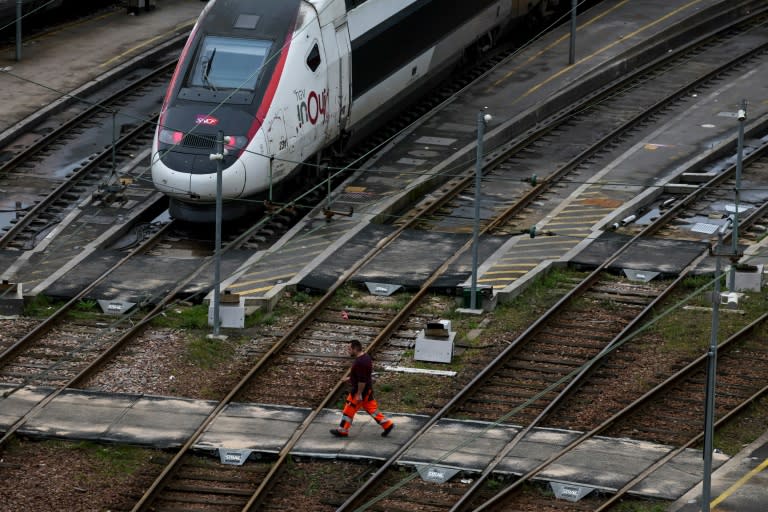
229, 63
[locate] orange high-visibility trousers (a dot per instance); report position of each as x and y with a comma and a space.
371, 407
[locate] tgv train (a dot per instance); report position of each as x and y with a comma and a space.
285, 80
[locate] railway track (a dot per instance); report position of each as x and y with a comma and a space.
59, 352
537, 372
671, 412
636, 295
537, 500
309, 352
606, 122
165, 486
95, 179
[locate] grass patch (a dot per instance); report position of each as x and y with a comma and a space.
86, 309
116, 460
294, 307
206, 353
40, 306
743, 429
542, 294
109, 461
411, 392
689, 330
183, 317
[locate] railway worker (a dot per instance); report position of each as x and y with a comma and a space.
361, 394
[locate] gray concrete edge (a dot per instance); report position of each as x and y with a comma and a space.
694, 495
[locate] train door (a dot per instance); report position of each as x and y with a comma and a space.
345, 78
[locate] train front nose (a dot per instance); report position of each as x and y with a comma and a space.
185, 167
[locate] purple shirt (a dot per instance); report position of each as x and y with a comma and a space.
361, 371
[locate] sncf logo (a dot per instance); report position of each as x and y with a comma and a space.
206, 120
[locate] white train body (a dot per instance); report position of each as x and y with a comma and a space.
284, 80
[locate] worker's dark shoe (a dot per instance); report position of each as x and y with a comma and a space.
338, 433
387, 430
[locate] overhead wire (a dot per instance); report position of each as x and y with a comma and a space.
446, 172
30, 13
469, 440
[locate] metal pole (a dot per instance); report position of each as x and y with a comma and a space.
114, 143
476, 229
572, 51
217, 275
742, 115
709, 405
271, 161
18, 30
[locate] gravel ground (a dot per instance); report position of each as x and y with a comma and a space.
55, 476
58, 476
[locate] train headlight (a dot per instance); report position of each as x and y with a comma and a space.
172, 137
235, 143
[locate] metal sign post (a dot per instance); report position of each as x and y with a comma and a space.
742, 116
482, 119
572, 50
219, 157
18, 29
709, 401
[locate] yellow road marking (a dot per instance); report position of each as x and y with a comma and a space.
606, 48
255, 290
739, 483
557, 42
498, 276
46, 35
254, 281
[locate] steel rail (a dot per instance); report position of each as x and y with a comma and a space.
93, 164
503, 153
300, 326
755, 216
656, 391
536, 326
56, 318
103, 106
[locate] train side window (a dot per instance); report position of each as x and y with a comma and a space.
313, 59
351, 4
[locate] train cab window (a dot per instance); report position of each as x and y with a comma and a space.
229, 63
313, 59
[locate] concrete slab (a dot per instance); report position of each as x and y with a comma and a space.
668, 257
467, 445
250, 426
164, 422
739, 485
88, 415
160, 422
364, 441
16, 402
